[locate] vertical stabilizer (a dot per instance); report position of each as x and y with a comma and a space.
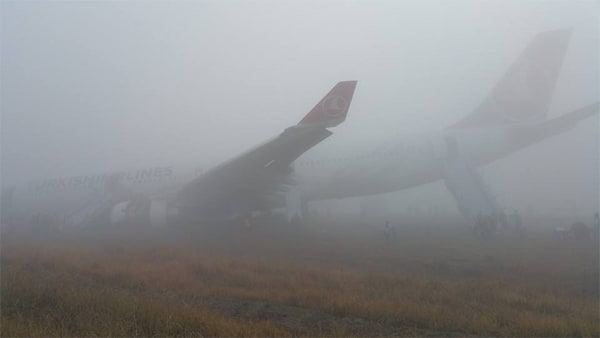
523, 94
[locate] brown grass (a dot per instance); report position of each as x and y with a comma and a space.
54, 302
447, 283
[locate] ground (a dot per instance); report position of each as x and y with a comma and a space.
340, 278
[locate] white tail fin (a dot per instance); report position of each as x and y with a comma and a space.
523, 94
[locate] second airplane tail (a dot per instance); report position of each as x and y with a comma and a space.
523, 94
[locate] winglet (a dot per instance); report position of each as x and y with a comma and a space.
333, 108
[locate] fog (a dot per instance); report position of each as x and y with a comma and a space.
380, 229
90, 87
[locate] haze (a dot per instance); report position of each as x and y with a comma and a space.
89, 87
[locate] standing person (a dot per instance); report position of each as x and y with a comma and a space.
479, 225
596, 226
387, 231
517, 221
501, 216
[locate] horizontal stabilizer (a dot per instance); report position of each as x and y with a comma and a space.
525, 136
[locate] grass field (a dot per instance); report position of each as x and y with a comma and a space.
334, 279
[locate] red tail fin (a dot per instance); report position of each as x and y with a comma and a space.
333, 108
523, 94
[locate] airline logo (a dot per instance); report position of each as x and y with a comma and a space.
334, 106
332, 109
76, 182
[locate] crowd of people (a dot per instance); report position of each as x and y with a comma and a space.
486, 227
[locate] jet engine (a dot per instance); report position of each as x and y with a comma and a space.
155, 213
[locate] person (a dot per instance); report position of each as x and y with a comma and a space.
492, 225
483, 229
517, 221
596, 226
501, 217
393, 231
387, 230
479, 225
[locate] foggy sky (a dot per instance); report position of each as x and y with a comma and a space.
94, 86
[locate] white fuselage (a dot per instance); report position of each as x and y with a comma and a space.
328, 171
396, 165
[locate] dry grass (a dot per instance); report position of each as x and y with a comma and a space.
48, 301
426, 282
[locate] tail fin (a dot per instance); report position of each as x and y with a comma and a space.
333, 108
523, 94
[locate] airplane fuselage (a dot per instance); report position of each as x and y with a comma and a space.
400, 164
323, 173
374, 169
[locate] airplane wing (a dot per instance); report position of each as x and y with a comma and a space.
249, 181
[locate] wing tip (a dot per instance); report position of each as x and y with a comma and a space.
333, 107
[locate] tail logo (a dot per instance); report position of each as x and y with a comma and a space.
334, 106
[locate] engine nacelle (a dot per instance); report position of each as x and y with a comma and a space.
118, 213
155, 213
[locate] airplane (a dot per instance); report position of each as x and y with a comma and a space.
159, 196
288, 171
